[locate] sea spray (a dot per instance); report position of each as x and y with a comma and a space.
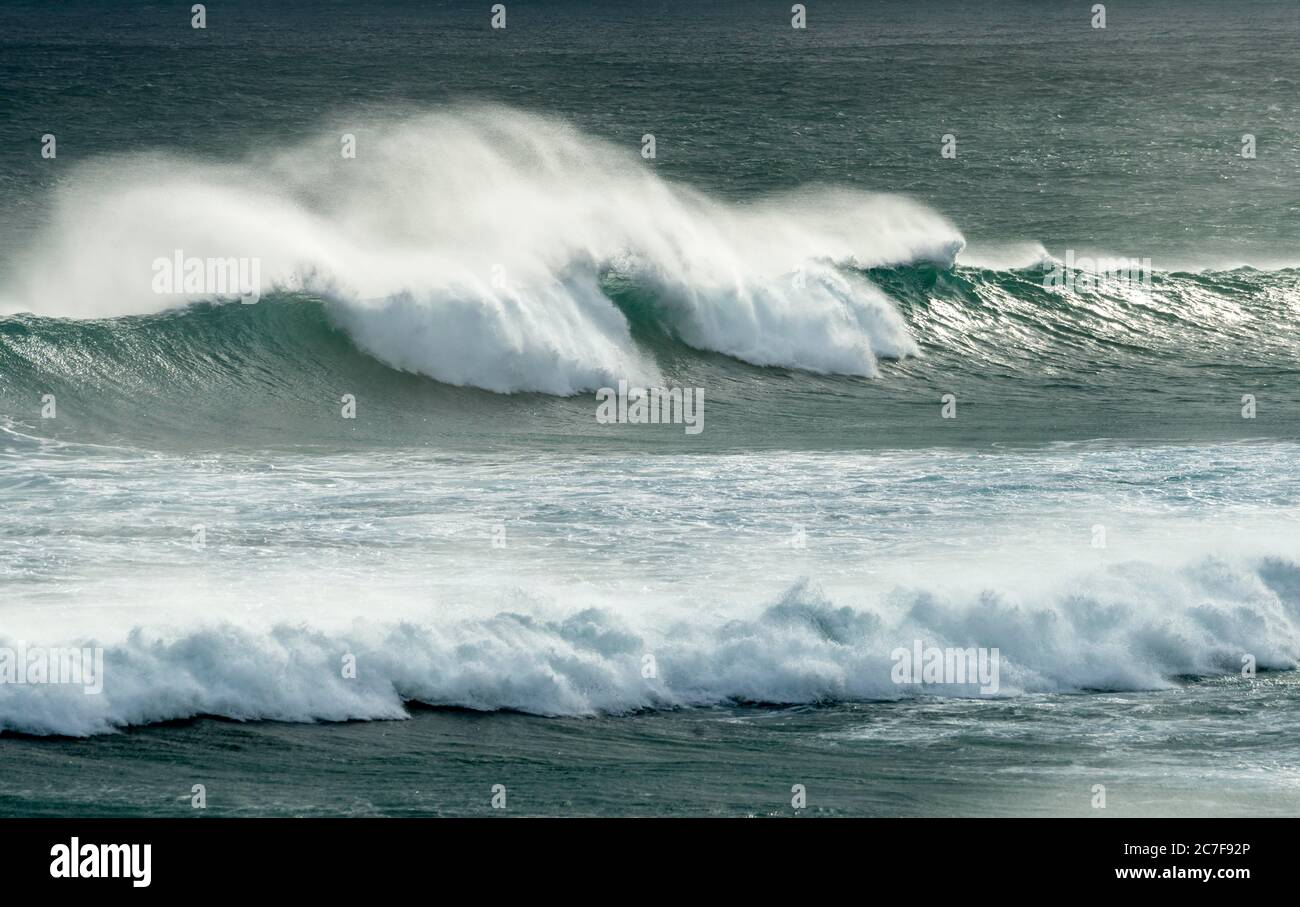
470, 248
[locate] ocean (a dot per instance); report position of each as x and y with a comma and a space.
363, 542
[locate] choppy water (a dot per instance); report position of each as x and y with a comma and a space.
1099, 510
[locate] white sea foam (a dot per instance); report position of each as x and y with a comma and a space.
1134, 626
467, 245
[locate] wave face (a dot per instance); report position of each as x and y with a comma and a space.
1131, 628
1027, 363
494, 250
468, 246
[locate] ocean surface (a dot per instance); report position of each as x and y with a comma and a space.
363, 547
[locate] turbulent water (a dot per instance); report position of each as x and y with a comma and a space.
1108, 497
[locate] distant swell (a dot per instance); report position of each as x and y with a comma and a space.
1134, 626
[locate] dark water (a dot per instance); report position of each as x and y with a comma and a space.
828, 512
1174, 753
1124, 139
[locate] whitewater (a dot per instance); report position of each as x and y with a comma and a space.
469, 245
469, 287
770, 579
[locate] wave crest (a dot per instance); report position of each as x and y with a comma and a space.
468, 245
1135, 626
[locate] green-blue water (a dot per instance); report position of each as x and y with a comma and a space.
1108, 497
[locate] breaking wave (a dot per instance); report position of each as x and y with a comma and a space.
1134, 626
469, 245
